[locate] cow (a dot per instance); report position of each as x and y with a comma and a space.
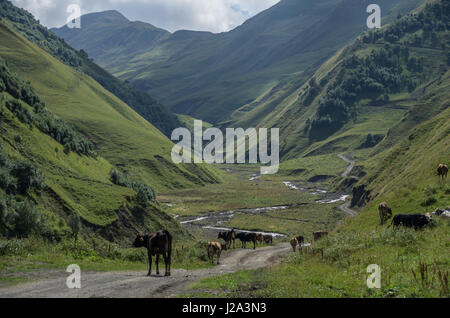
247, 237
268, 239
294, 243
445, 215
215, 248
442, 171
228, 237
297, 241
318, 235
260, 238
410, 220
385, 212
158, 243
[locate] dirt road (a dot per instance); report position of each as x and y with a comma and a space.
137, 285
351, 164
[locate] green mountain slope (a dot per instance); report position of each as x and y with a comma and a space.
49, 174
354, 98
120, 135
208, 76
141, 102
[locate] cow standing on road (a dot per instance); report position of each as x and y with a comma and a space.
259, 238
215, 248
268, 239
247, 237
228, 237
159, 243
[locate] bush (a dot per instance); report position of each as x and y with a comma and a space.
28, 176
144, 193
27, 219
18, 139
75, 225
429, 201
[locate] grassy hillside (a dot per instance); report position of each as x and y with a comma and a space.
208, 76
24, 23
120, 135
41, 169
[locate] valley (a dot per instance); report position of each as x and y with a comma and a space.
86, 163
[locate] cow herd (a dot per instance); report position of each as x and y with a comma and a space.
229, 237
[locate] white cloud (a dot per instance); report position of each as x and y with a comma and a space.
172, 15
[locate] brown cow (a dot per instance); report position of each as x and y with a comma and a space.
259, 238
156, 243
268, 239
385, 212
215, 248
294, 243
318, 235
442, 171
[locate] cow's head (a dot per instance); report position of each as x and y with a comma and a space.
139, 241
221, 235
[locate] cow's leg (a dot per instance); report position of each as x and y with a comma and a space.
166, 263
218, 257
157, 264
149, 263
254, 244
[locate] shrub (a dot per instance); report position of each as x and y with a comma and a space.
429, 201
75, 225
27, 219
18, 139
144, 193
28, 176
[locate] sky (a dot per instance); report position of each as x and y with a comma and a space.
200, 15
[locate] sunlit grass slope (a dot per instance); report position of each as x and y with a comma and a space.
121, 136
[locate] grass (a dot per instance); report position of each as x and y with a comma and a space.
293, 221
341, 272
234, 193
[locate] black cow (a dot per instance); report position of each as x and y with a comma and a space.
228, 237
156, 244
300, 240
247, 237
411, 220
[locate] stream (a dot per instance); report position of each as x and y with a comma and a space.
212, 222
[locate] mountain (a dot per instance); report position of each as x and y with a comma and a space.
353, 100
140, 101
209, 76
71, 147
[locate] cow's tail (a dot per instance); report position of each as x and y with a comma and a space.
169, 249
